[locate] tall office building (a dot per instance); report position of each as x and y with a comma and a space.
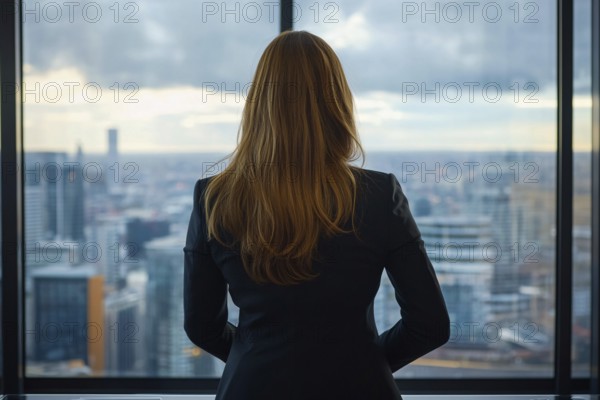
107, 235
125, 353
68, 315
54, 198
143, 228
44, 181
112, 144
74, 198
34, 214
457, 247
112, 168
507, 301
518, 233
170, 352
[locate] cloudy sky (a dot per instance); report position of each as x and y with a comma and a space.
171, 75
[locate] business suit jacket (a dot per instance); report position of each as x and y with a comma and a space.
318, 339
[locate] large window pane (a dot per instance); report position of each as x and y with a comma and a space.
124, 105
462, 97
582, 194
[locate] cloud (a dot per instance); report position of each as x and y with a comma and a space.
180, 43
354, 33
188, 118
167, 58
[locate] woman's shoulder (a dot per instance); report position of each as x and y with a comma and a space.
370, 172
372, 177
203, 181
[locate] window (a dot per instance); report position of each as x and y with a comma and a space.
466, 114
582, 193
125, 105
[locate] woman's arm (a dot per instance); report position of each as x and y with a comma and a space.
204, 289
424, 324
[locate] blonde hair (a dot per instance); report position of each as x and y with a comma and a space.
289, 181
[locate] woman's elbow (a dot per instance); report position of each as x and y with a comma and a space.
194, 333
191, 332
436, 331
442, 331
203, 336
445, 332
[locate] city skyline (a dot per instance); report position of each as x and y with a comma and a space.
139, 228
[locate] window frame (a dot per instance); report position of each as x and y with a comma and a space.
562, 383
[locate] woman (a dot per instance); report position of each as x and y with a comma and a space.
275, 226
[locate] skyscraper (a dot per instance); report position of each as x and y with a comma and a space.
112, 144
74, 198
54, 197
112, 168
44, 180
457, 247
107, 232
125, 353
170, 352
68, 315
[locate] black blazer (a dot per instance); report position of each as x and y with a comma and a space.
318, 339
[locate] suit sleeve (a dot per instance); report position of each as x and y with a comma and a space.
424, 324
204, 289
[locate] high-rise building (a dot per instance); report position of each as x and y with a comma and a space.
68, 315
54, 198
74, 198
508, 301
458, 249
112, 144
34, 214
44, 180
170, 352
125, 353
107, 234
141, 229
112, 169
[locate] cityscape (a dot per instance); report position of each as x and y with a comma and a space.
124, 106
105, 233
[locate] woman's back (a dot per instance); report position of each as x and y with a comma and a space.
318, 339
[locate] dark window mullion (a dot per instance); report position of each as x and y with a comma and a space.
286, 16
12, 200
564, 198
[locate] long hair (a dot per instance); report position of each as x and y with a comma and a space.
289, 181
